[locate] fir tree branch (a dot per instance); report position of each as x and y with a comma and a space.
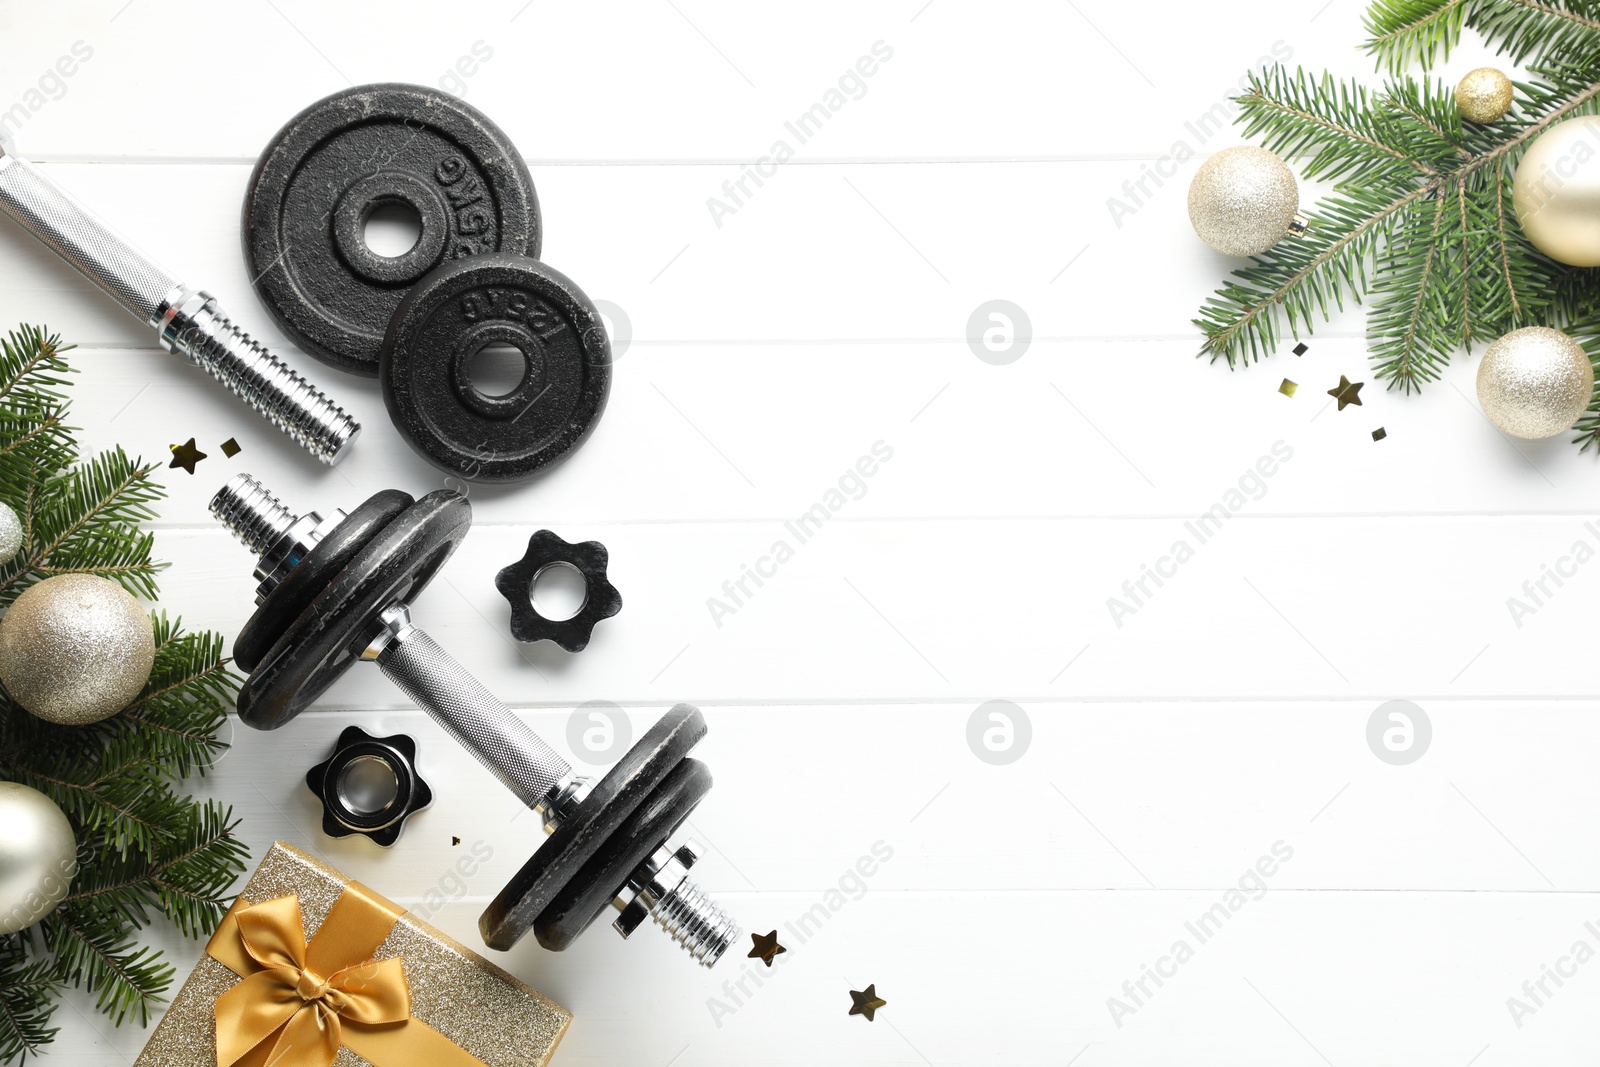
1366, 215
27, 1001
146, 851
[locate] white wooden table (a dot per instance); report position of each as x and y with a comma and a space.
1221, 724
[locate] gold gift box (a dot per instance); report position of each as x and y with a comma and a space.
469, 1000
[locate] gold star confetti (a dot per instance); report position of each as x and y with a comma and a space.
230, 448
1288, 387
186, 456
866, 1001
1347, 392
766, 947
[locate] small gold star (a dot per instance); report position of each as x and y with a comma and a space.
866, 1001
186, 456
1347, 392
766, 947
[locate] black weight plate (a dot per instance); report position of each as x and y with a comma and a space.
456, 312
316, 649
312, 574
589, 894
608, 805
325, 173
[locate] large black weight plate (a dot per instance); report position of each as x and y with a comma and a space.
608, 805
339, 160
589, 894
456, 312
312, 574
316, 649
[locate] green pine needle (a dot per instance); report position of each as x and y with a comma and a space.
147, 851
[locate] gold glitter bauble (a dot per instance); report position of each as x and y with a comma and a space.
1484, 95
38, 856
75, 649
1535, 382
1243, 200
10, 534
1557, 192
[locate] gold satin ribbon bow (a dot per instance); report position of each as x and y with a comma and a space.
299, 1003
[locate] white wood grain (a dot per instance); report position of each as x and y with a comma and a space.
767, 354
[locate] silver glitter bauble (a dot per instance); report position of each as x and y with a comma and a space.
1535, 382
10, 534
1484, 95
1557, 192
38, 856
75, 649
1243, 200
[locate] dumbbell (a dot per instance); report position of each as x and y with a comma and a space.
337, 590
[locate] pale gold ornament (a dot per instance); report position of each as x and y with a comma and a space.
38, 856
1556, 192
1243, 200
1535, 382
75, 649
10, 533
1484, 95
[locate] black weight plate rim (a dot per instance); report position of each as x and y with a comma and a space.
587, 896
302, 584
395, 565
562, 855
468, 457
419, 106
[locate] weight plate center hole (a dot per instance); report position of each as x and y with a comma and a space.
392, 228
558, 592
497, 369
368, 785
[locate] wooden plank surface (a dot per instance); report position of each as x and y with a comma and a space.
1189, 598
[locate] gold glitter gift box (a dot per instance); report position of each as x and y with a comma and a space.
472, 1011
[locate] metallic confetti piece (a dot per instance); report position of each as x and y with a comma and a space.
186, 456
766, 947
1288, 387
230, 448
1301, 349
1347, 392
1379, 434
866, 1001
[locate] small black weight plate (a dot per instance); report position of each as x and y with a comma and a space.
316, 648
591, 892
312, 574
464, 307
608, 805
334, 164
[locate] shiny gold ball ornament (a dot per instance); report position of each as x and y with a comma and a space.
38, 856
1556, 192
75, 649
1243, 201
1484, 95
1535, 382
10, 534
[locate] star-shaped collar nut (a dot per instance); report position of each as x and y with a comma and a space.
866, 1001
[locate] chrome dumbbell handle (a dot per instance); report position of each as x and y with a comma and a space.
187, 320
466, 709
